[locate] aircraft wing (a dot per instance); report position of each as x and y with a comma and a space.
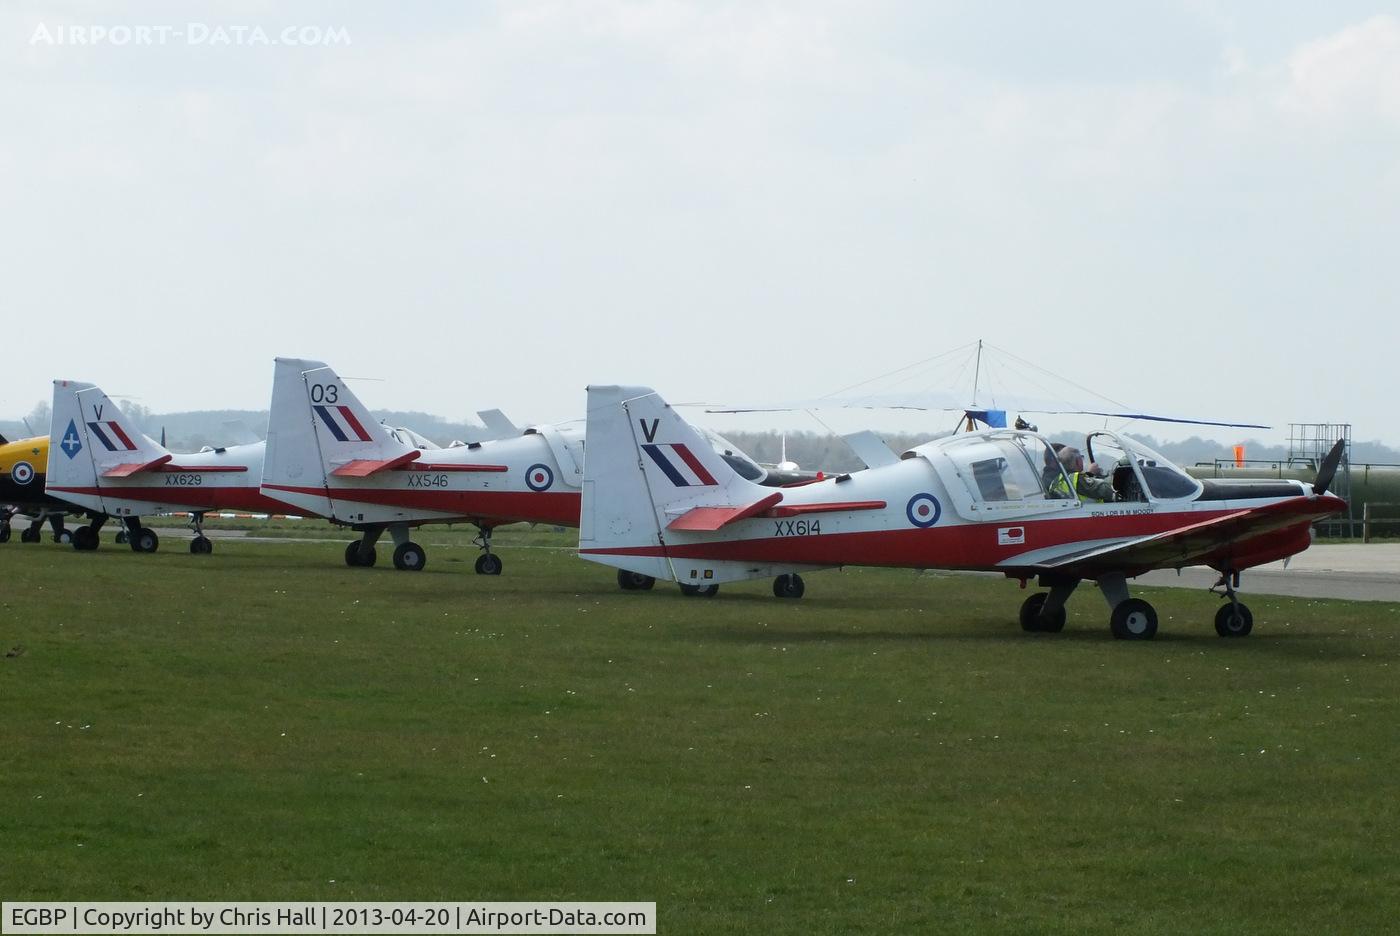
1182, 546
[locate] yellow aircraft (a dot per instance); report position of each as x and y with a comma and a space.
22, 467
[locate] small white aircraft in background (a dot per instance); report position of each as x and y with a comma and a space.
99, 461
658, 504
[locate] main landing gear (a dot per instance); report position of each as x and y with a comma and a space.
488, 563
408, 555
789, 586
34, 532
1129, 618
141, 539
201, 545
634, 581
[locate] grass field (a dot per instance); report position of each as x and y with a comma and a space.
890, 754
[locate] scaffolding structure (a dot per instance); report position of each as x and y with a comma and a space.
1308, 445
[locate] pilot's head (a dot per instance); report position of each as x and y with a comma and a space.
1071, 458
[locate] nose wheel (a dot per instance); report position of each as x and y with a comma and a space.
1233, 619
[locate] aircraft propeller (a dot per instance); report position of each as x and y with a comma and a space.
1328, 468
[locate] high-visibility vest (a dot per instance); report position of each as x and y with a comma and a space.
1058, 485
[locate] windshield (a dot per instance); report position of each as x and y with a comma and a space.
1121, 455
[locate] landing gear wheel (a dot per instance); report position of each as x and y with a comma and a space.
5, 533
121, 538
144, 541
788, 586
1234, 620
489, 564
85, 539
409, 557
358, 555
634, 581
201, 546
1134, 619
28, 535
63, 536
699, 591
1034, 618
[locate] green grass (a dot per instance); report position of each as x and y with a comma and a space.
890, 754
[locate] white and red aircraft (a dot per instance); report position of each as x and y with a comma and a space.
101, 462
658, 504
327, 455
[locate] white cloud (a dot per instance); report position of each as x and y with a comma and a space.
1351, 75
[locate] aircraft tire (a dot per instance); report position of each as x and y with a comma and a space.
699, 591
789, 586
634, 581
145, 541
1234, 620
489, 564
1134, 619
352, 554
201, 546
4, 533
409, 557
63, 536
85, 540
28, 535
1034, 620
121, 539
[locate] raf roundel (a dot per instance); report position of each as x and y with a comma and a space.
923, 510
539, 477
22, 473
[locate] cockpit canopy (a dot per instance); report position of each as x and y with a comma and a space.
1138, 472
999, 467
1009, 473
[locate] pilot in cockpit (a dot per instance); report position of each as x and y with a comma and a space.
1086, 483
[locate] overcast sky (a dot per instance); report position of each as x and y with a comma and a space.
1190, 207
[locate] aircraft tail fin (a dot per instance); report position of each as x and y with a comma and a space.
316, 427
90, 438
649, 476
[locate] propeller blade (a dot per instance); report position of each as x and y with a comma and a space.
1328, 469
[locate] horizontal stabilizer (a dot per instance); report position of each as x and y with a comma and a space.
170, 468
709, 519
453, 466
131, 468
798, 510
364, 467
